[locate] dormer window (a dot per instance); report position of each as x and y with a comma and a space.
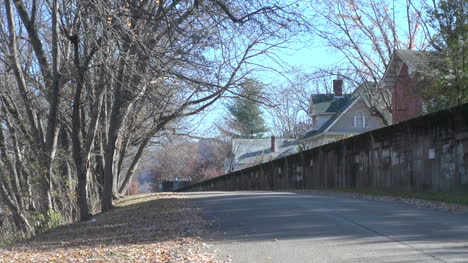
360, 120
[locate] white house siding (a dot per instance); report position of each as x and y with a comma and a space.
322, 119
345, 123
314, 141
324, 139
343, 126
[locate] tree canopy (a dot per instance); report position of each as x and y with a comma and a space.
446, 77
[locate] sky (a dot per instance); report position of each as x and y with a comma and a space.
303, 52
306, 58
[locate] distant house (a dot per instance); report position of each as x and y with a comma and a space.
250, 152
337, 116
400, 76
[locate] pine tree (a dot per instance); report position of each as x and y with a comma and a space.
246, 117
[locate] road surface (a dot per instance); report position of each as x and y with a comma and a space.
289, 227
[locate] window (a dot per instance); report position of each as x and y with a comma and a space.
360, 120
314, 122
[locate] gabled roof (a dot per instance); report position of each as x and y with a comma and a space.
246, 151
328, 103
365, 87
331, 105
415, 59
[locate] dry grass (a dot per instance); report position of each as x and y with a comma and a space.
142, 228
451, 198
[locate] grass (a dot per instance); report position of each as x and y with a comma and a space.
8, 235
452, 198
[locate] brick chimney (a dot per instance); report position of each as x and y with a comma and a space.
338, 88
273, 143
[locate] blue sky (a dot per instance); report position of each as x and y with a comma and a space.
308, 58
303, 52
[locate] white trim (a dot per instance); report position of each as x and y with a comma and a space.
341, 133
308, 140
393, 78
392, 61
333, 123
322, 113
313, 137
389, 64
360, 116
341, 115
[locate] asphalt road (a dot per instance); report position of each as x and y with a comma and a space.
288, 227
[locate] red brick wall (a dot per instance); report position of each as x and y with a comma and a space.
407, 104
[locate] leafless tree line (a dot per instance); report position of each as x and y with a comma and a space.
86, 85
187, 160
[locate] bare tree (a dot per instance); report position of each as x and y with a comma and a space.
87, 84
187, 160
291, 103
162, 44
365, 33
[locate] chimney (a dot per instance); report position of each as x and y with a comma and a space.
338, 88
273, 143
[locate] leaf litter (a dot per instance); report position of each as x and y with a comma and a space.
142, 228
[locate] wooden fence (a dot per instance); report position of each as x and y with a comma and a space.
428, 153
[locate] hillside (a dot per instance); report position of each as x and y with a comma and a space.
142, 228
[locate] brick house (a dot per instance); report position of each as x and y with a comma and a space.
400, 77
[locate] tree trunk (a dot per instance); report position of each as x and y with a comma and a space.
19, 219
116, 120
117, 115
83, 195
80, 158
133, 166
106, 199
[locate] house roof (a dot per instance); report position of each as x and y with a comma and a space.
247, 151
415, 58
329, 104
364, 87
416, 61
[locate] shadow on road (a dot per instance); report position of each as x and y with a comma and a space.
313, 222
267, 216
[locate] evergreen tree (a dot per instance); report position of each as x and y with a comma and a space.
246, 117
446, 78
